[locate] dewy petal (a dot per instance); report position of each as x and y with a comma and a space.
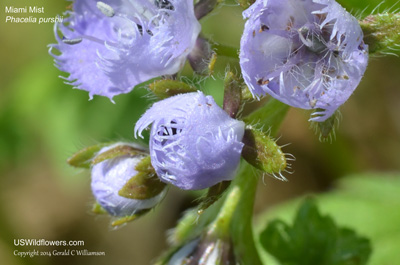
194, 144
109, 176
308, 54
143, 40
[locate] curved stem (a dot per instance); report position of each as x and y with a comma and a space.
244, 187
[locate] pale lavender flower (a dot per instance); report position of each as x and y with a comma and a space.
109, 176
194, 144
308, 54
111, 46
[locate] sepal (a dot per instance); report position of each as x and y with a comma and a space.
214, 193
84, 157
145, 184
202, 58
117, 151
124, 220
167, 88
232, 94
326, 129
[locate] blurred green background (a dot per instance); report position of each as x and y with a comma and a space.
43, 122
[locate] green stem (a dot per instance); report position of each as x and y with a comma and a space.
244, 190
220, 226
227, 51
242, 194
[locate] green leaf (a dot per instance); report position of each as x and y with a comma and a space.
314, 239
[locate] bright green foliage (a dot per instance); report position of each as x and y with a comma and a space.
314, 239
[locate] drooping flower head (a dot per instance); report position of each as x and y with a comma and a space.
194, 144
308, 54
111, 46
110, 176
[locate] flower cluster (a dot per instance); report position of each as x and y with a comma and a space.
109, 47
308, 54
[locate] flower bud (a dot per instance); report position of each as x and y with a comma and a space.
124, 184
263, 153
194, 144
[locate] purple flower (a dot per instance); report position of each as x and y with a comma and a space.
109, 176
109, 47
194, 144
308, 54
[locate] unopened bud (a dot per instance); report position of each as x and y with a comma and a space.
263, 153
123, 182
